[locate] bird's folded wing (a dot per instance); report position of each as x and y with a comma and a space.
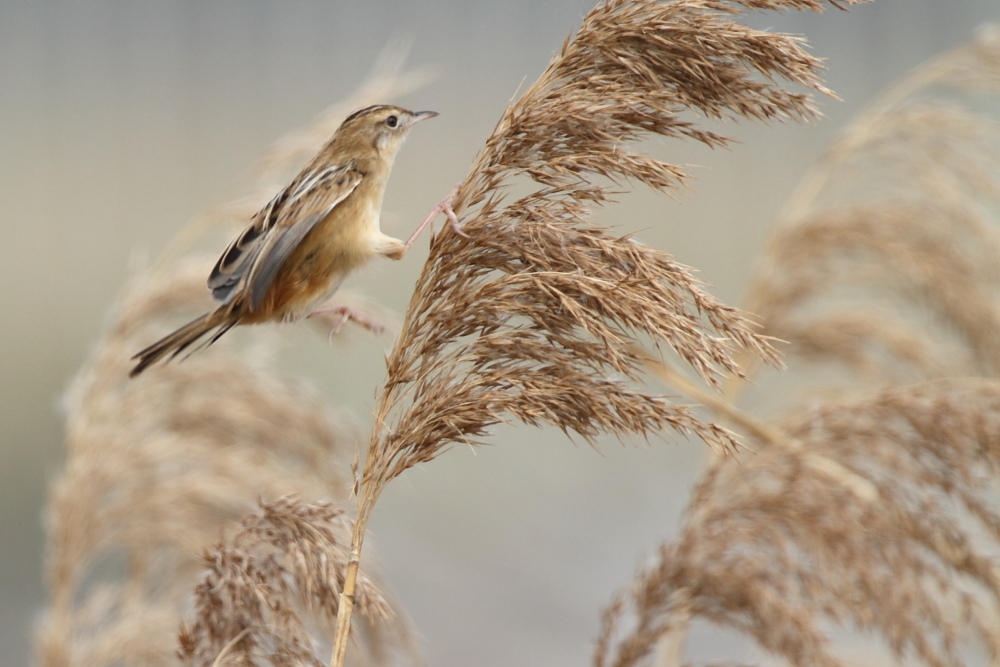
253, 259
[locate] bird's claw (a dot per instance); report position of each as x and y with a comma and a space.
444, 206
347, 313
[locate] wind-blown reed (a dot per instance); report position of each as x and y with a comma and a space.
777, 550
533, 314
876, 511
288, 559
884, 262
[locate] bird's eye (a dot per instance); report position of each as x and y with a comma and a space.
392, 121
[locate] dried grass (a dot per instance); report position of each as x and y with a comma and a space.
898, 281
534, 314
877, 511
288, 559
778, 550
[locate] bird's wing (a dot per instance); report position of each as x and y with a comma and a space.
253, 259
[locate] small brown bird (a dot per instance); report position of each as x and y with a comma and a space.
297, 250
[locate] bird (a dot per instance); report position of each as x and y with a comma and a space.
296, 251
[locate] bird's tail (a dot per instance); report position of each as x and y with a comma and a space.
172, 345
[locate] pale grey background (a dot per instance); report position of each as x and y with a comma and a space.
120, 120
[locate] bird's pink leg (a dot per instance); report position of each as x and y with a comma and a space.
347, 313
443, 207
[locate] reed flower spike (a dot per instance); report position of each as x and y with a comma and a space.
537, 315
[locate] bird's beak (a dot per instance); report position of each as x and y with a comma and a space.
421, 115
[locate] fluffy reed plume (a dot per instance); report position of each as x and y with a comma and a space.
876, 512
158, 470
899, 280
534, 315
777, 549
244, 612
161, 469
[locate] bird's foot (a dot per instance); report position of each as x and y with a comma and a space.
338, 315
444, 206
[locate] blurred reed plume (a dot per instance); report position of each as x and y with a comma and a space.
779, 551
884, 263
161, 470
876, 511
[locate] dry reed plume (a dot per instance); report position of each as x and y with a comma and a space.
778, 550
289, 558
899, 280
159, 471
535, 315
876, 511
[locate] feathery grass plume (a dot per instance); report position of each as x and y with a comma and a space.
885, 261
289, 553
779, 551
534, 315
161, 468
877, 513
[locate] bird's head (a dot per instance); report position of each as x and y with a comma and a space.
382, 126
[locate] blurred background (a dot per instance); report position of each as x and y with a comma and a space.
122, 120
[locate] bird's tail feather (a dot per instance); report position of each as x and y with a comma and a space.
173, 344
